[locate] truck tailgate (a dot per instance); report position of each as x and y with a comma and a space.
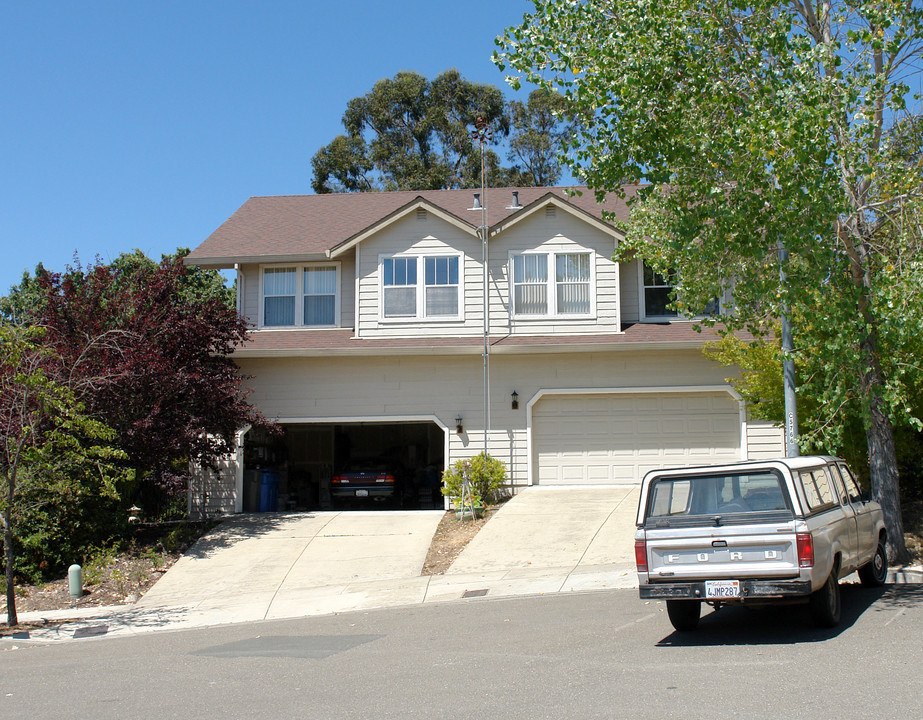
736, 552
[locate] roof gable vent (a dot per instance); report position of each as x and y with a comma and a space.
550, 211
421, 214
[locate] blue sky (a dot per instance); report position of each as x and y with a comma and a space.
145, 125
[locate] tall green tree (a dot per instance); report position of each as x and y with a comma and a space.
759, 123
410, 133
539, 134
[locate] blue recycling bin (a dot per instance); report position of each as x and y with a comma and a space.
269, 490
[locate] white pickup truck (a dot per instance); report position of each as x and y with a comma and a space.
756, 532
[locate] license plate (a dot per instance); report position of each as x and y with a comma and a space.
362, 493
720, 589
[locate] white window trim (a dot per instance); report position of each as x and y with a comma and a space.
299, 269
420, 316
552, 285
664, 318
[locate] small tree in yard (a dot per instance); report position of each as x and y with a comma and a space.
44, 435
486, 476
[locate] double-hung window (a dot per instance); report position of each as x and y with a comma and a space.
300, 296
552, 284
441, 286
400, 287
657, 290
572, 280
320, 295
279, 296
530, 284
420, 287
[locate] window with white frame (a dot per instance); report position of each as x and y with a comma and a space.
572, 279
279, 296
425, 286
565, 292
315, 285
441, 286
657, 290
320, 295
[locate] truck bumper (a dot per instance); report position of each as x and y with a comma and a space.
749, 590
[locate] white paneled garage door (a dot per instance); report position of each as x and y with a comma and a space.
616, 438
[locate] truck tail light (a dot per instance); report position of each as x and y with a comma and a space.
805, 550
641, 555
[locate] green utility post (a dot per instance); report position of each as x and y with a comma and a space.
75, 581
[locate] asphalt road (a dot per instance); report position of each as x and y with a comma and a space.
578, 655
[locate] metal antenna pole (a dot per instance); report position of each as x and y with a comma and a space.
482, 134
788, 367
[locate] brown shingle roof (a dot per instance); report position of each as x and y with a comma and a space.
268, 343
300, 225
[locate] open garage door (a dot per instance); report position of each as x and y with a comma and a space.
305, 459
616, 438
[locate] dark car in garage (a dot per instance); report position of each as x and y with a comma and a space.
371, 478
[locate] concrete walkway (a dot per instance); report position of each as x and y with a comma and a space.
262, 567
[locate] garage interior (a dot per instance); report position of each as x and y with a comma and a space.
291, 471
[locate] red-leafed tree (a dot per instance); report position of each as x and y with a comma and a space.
151, 358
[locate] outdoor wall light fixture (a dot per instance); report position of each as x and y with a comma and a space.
458, 425
515, 399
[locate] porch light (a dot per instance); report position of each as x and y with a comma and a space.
515, 399
458, 425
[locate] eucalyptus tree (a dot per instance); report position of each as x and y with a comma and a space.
759, 124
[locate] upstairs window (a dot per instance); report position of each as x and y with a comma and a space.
657, 291
300, 296
530, 284
572, 277
405, 296
320, 295
279, 296
537, 293
400, 287
441, 286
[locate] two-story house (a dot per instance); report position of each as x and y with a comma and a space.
419, 328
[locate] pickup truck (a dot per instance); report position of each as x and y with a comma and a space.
772, 531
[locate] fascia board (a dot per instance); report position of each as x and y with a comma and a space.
552, 199
397, 215
379, 351
225, 262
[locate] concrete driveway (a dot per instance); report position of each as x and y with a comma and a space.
256, 561
542, 540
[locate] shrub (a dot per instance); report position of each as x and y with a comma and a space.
486, 475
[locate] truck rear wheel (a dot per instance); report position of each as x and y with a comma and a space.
825, 603
684, 614
875, 573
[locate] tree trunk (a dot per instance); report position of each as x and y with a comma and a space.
11, 618
883, 473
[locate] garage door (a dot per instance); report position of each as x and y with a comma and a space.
616, 438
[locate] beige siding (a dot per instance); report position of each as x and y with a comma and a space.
422, 233
417, 234
554, 232
213, 494
251, 293
631, 291
443, 387
764, 440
